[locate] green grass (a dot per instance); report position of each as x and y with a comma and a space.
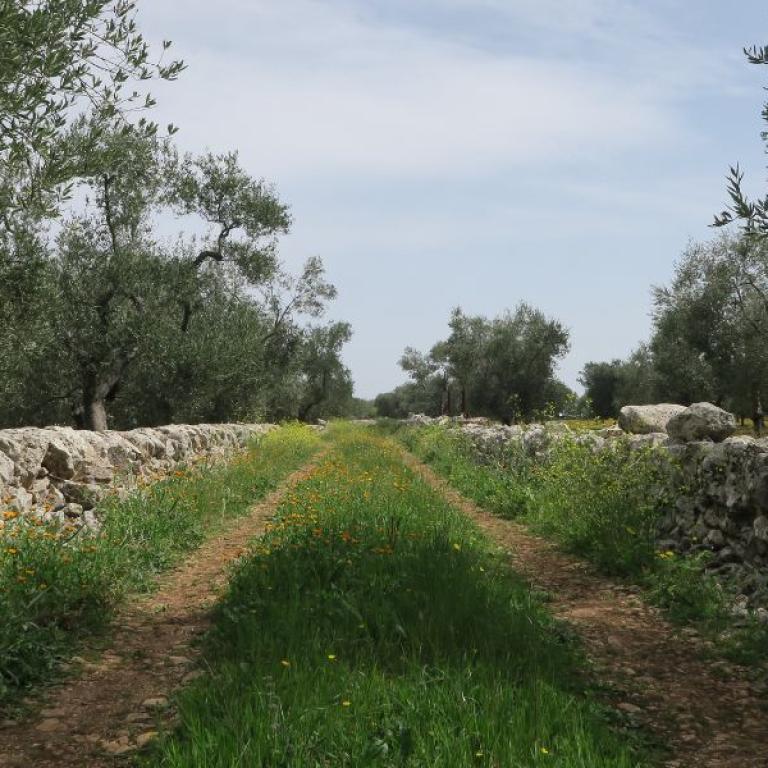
58, 584
603, 506
374, 626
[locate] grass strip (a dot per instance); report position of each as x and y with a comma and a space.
604, 506
58, 584
374, 625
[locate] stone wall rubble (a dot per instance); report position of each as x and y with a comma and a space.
59, 473
722, 507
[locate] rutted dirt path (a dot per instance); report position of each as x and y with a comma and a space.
707, 713
118, 702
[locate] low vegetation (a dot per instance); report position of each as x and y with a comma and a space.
58, 583
374, 626
603, 506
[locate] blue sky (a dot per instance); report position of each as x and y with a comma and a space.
477, 152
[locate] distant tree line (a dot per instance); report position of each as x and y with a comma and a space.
501, 367
709, 339
102, 322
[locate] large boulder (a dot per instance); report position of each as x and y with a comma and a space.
701, 421
647, 419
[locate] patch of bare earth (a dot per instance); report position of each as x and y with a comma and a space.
708, 713
120, 700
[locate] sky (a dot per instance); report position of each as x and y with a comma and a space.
477, 153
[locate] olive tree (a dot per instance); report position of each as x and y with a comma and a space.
718, 303
61, 58
504, 367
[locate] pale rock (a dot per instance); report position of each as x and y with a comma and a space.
6, 469
58, 461
645, 419
19, 499
145, 738
118, 747
155, 702
609, 433
648, 440
91, 522
49, 725
701, 421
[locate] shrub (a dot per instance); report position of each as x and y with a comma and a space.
604, 505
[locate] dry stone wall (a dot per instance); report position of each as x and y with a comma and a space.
58, 473
721, 505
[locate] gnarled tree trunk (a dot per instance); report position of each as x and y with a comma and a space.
99, 387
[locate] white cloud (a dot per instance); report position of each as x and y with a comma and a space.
308, 87
551, 156
591, 17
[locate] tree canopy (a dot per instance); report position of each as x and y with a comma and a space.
752, 215
708, 342
103, 323
503, 367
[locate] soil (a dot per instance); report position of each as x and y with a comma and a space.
709, 713
120, 698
